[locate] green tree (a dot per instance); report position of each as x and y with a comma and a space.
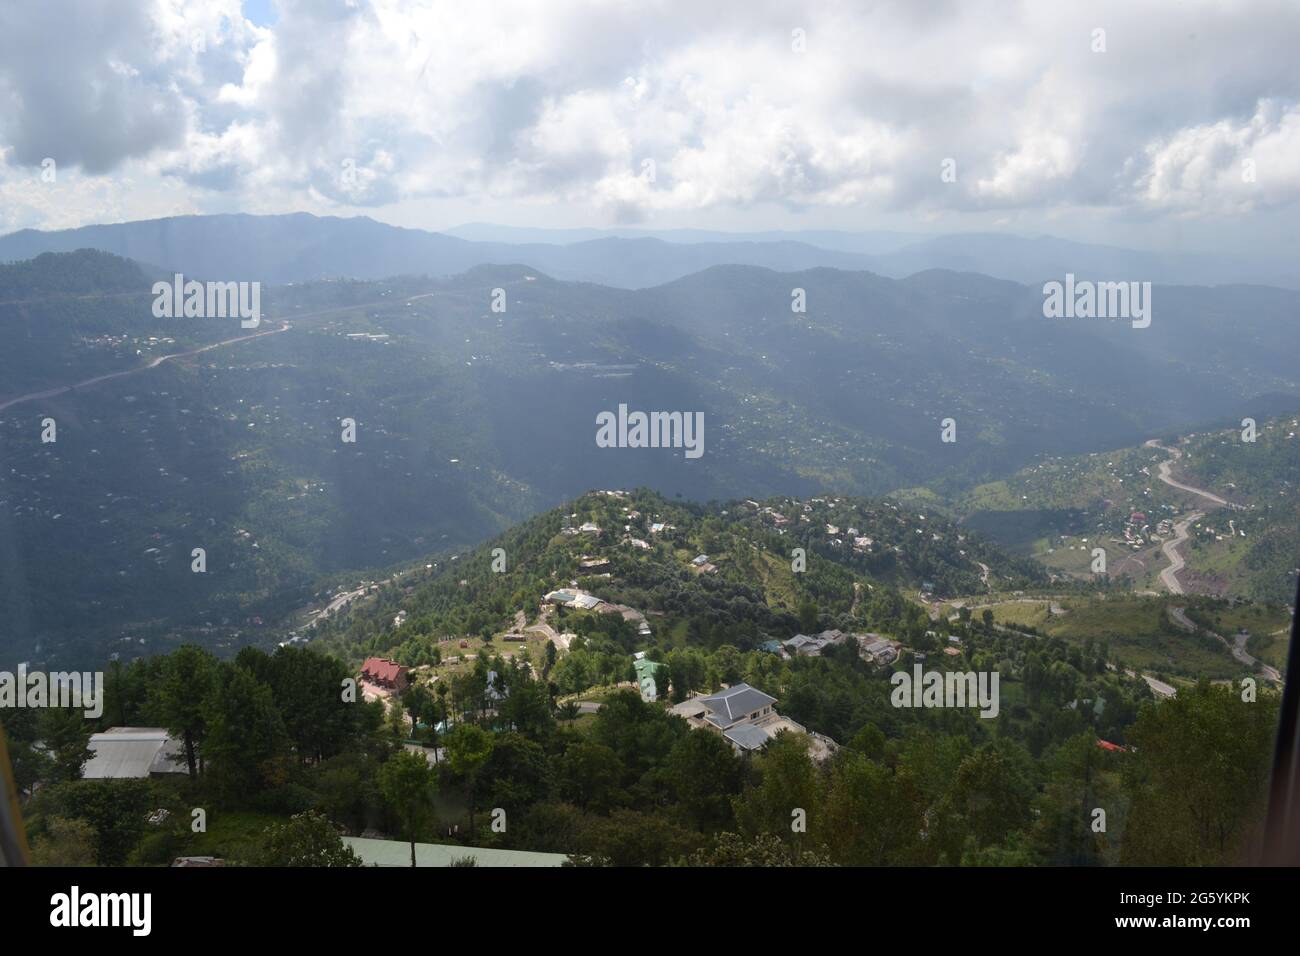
246, 739
308, 839
704, 774
407, 783
468, 749
787, 801
1197, 777
181, 697
587, 774
875, 817
66, 734
1078, 784
993, 791
808, 616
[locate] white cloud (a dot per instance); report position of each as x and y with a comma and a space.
1226, 167
347, 105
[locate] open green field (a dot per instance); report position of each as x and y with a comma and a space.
1136, 629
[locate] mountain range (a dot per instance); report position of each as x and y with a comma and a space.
300, 247
471, 417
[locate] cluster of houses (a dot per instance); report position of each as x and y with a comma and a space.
874, 647
584, 600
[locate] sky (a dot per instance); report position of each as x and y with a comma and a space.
1171, 124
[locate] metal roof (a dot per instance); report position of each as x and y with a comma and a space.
398, 853
735, 702
133, 753
747, 736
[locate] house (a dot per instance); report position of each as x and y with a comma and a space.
879, 649
648, 674
590, 565
804, 645
739, 703
573, 598
385, 673
748, 719
134, 753
700, 559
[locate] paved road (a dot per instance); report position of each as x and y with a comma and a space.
1169, 576
1158, 687
1167, 465
90, 382
50, 392
1237, 646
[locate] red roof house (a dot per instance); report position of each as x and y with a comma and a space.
385, 673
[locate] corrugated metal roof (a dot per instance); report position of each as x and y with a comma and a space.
133, 753
747, 736
398, 853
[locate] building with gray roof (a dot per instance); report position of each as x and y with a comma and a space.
134, 753
737, 703
747, 736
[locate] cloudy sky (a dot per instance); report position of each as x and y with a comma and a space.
1158, 124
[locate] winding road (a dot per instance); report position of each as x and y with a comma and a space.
1167, 465
1169, 576
1237, 646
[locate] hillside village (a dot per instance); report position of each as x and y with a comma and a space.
544, 635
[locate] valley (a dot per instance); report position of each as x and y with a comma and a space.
291, 511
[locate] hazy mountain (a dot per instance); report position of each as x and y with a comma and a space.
301, 247
1035, 259
867, 243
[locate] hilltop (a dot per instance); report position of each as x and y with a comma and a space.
697, 575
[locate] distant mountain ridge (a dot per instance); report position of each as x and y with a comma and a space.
299, 247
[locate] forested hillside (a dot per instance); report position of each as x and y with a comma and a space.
475, 401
